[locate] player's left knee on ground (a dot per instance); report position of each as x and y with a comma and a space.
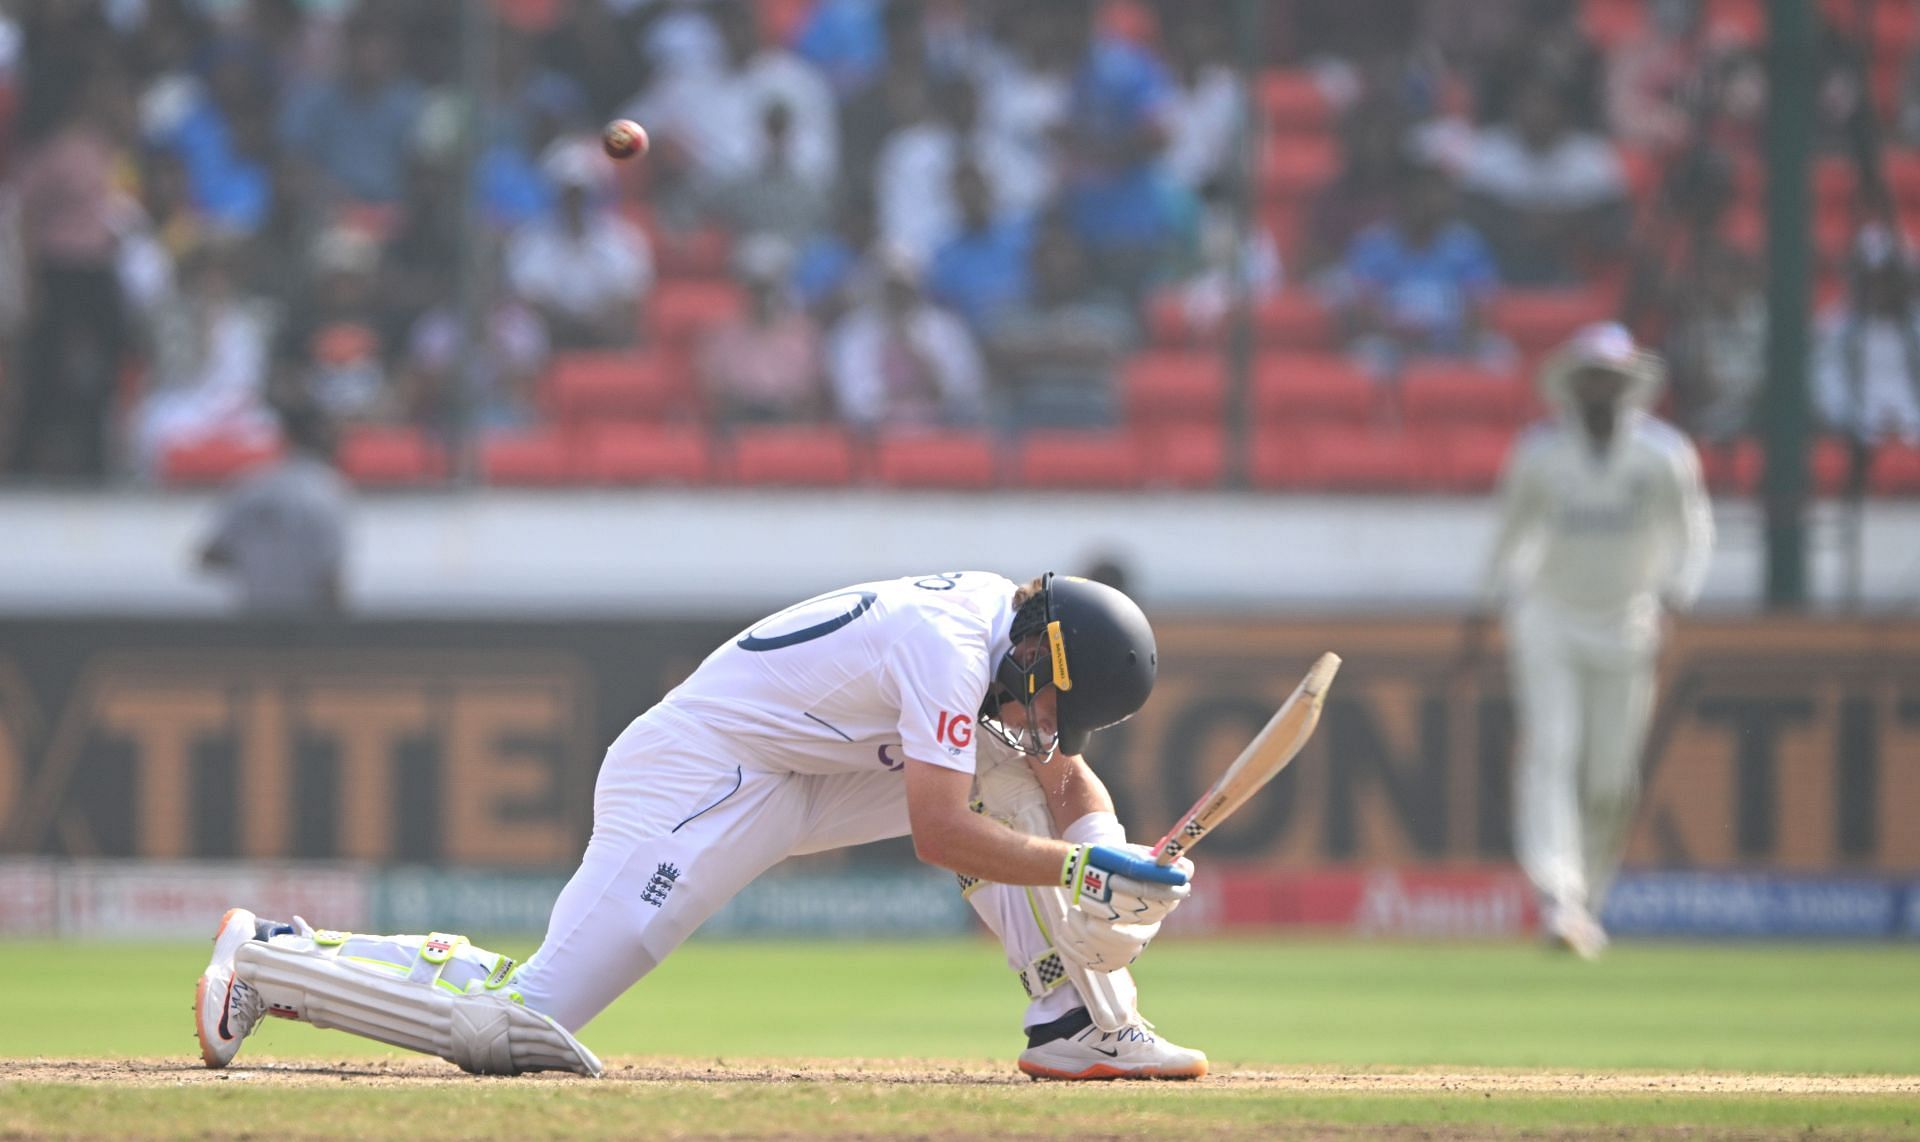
435, 994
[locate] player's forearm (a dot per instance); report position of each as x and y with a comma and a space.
1073, 790
974, 845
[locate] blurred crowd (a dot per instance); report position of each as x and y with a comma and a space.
932, 212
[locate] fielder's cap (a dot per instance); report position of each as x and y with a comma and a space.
1605, 345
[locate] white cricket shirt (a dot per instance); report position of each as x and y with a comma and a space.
1603, 535
859, 679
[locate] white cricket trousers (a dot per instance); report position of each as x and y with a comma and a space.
681, 822
1584, 697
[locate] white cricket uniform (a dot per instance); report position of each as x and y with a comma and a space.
790, 738
1589, 547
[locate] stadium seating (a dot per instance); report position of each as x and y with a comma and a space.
588, 386
1293, 103
1079, 459
812, 456
538, 457
644, 453
1185, 456
944, 459
1312, 388
1163, 387
1435, 393
391, 457
216, 460
1296, 319
1896, 471
1468, 458
1538, 320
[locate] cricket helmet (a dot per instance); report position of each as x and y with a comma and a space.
1097, 652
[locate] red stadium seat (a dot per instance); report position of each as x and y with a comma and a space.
1611, 22
588, 386
1309, 388
1896, 471
1174, 388
391, 457
645, 454
1294, 103
1434, 393
690, 254
1829, 465
1296, 319
683, 311
957, 459
1732, 468
1298, 165
215, 460
1274, 459
1469, 459
1079, 459
1363, 460
542, 456
1186, 456
803, 456
1539, 320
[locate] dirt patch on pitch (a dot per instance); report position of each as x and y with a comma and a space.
414, 1072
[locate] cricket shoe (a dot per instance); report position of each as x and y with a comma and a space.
225, 1009
1082, 1051
1571, 926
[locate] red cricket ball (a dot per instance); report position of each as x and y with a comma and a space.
623, 139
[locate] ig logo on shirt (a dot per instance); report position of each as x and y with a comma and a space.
955, 729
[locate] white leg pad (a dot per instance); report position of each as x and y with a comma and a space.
481, 1031
1008, 792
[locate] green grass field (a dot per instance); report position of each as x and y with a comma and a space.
1269, 1012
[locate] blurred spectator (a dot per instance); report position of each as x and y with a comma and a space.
598, 47
334, 335
846, 40
1416, 284
1552, 199
981, 271
1653, 77
1117, 193
827, 269
711, 116
530, 107
1543, 37
1679, 232
281, 534
1025, 78
1718, 348
1225, 266
1060, 353
586, 269
71, 214
895, 95
898, 360
1866, 369
424, 253
914, 176
1373, 146
211, 346
1207, 106
774, 198
222, 132
764, 366
501, 371
358, 127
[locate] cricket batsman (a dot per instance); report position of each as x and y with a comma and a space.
1604, 525
848, 718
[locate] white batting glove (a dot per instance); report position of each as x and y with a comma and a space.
1123, 884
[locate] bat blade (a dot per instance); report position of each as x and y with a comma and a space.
1261, 761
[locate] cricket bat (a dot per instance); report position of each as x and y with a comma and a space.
1265, 756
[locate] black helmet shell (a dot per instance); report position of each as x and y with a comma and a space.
1109, 657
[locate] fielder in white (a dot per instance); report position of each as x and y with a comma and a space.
1604, 522
848, 718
